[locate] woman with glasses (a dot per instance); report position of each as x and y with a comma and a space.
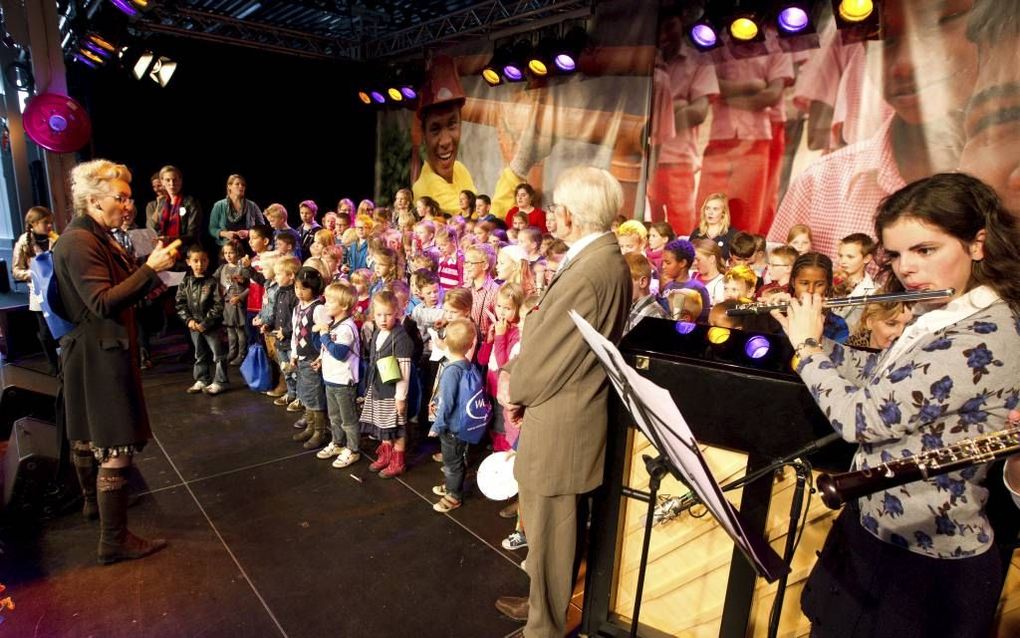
99, 288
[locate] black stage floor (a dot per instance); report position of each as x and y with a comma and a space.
265, 540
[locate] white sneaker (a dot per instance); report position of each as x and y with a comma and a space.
516, 540
329, 451
345, 458
198, 387
214, 388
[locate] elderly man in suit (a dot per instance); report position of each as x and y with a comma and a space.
564, 392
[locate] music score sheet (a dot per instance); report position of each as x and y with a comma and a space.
642, 397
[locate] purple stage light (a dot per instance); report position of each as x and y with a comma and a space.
98, 50
704, 35
125, 6
565, 62
409, 92
757, 347
513, 73
378, 97
793, 20
685, 327
87, 62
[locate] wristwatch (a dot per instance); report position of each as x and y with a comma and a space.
810, 342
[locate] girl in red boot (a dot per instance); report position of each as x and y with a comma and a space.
384, 416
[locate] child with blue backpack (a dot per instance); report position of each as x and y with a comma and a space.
462, 411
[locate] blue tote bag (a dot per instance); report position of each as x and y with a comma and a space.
255, 369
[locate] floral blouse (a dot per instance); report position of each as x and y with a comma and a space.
954, 377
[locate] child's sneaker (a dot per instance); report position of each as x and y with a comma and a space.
295, 406
282, 400
196, 388
516, 540
329, 451
214, 388
346, 458
439, 490
446, 504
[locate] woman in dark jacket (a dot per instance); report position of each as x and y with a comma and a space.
99, 286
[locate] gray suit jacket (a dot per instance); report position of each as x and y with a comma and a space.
560, 382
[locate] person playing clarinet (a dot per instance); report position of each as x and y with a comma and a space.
915, 560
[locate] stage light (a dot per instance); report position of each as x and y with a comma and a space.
102, 47
512, 72
365, 99
162, 70
141, 67
537, 66
514, 66
408, 92
491, 77
856, 10
718, 335
744, 29
685, 327
395, 94
83, 60
125, 7
99, 51
757, 347
378, 97
566, 52
703, 36
792, 19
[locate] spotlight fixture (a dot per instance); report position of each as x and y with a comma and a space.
514, 66
141, 67
162, 70
857, 20
130, 7
567, 52
703, 35
82, 59
792, 19
855, 10
377, 97
757, 347
492, 72
746, 27
395, 94
718, 335
364, 97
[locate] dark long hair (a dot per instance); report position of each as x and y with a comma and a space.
961, 206
811, 260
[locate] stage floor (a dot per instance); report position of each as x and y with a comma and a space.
265, 540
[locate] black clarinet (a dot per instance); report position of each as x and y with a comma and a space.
837, 489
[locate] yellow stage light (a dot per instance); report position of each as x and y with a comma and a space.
856, 10
717, 335
744, 29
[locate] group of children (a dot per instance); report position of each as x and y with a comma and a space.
721, 267
381, 329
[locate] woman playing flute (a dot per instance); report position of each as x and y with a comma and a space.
914, 560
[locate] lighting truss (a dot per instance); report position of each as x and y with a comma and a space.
477, 19
212, 27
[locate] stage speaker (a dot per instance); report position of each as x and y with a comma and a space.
30, 465
25, 392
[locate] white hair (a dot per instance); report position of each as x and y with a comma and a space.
592, 196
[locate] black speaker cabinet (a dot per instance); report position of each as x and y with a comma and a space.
25, 392
29, 466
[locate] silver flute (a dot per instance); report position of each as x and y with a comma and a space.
760, 308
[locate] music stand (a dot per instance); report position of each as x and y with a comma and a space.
658, 417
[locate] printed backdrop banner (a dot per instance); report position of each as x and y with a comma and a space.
471, 136
818, 136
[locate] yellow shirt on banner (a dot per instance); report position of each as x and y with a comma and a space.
448, 195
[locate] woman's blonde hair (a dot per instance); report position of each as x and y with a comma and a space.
703, 225
91, 179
